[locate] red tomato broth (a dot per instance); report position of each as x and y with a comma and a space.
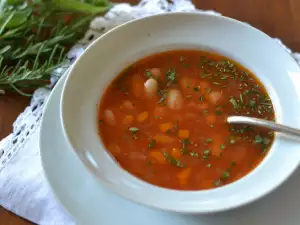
189, 147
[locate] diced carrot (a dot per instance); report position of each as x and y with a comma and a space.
204, 85
128, 119
176, 153
202, 106
190, 116
216, 146
163, 139
183, 175
211, 119
138, 86
164, 127
158, 157
183, 134
142, 116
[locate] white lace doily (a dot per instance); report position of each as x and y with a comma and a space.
22, 184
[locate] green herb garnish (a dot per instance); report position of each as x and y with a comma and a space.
208, 140
206, 153
173, 161
148, 74
133, 131
234, 103
194, 154
225, 175
196, 89
171, 76
152, 143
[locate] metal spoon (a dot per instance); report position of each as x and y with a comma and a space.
265, 124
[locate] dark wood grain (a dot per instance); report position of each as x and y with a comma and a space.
277, 18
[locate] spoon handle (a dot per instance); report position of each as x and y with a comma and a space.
264, 123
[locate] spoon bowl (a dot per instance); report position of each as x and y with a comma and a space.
287, 130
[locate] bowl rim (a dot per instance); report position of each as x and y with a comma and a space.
243, 202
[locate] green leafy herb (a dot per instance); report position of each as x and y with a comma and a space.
173, 161
218, 112
148, 74
184, 142
232, 140
206, 153
208, 90
205, 112
225, 175
152, 143
252, 104
217, 183
201, 99
208, 140
133, 131
258, 139
234, 103
196, 89
35, 38
222, 146
194, 154
100, 122
233, 164
208, 165
163, 97
171, 76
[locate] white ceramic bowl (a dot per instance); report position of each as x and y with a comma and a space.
122, 46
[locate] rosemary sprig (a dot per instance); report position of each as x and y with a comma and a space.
35, 37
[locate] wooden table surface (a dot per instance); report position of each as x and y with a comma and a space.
277, 18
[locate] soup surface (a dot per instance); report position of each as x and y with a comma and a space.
164, 120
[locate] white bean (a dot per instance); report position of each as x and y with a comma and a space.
155, 72
109, 117
151, 87
175, 99
214, 97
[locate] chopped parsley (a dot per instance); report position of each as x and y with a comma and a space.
194, 154
152, 143
133, 131
196, 89
217, 183
171, 76
184, 142
208, 140
206, 153
148, 74
234, 103
173, 161
225, 175
222, 146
